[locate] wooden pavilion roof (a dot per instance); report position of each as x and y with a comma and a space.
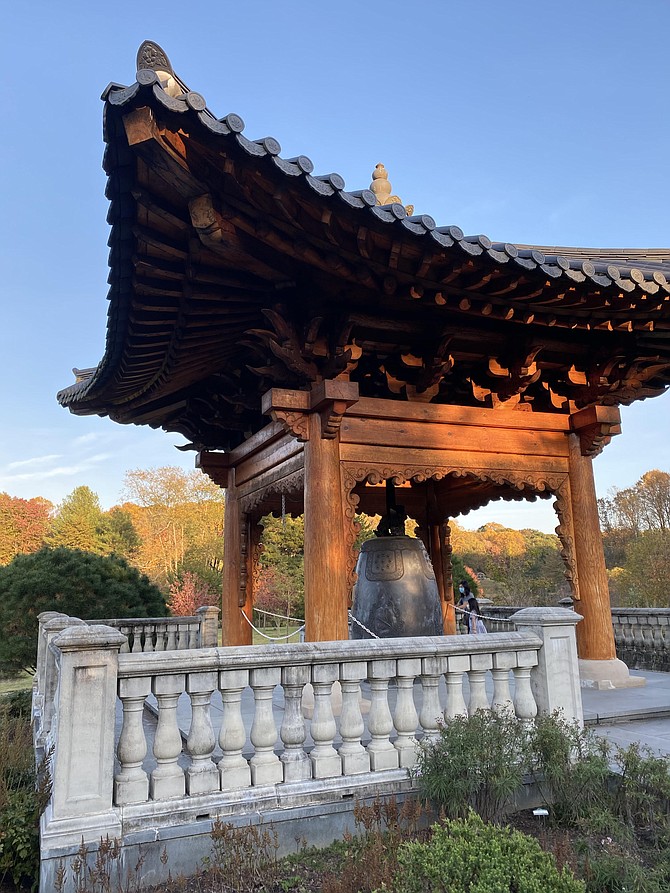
234, 270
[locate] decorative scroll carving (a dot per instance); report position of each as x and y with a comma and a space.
255, 552
534, 482
244, 550
566, 534
289, 485
296, 423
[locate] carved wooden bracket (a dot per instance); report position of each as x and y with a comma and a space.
330, 398
294, 422
596, 426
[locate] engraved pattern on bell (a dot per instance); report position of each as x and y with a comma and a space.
396, 592
386, 565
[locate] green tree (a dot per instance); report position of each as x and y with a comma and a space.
73, 582
118, 534
78, 523
283, 543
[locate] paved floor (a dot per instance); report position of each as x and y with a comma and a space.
626, 716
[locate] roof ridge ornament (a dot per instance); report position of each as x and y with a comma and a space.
381, 188
152, 56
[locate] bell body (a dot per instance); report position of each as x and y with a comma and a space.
396, 593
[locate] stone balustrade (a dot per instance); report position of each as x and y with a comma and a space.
642, 637
148, 634
293, 730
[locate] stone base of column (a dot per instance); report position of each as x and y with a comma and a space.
607, 674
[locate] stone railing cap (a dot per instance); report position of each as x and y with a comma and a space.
62, 621
545, 617
85, 638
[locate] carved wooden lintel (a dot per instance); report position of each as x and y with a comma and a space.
596, 426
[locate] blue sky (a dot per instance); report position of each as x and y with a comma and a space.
541, 123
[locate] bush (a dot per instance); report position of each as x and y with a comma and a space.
70, 581
22, 797
477, 762
469, 856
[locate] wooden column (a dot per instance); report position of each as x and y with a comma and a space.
595, 634
235, 630
440, 556
325, 558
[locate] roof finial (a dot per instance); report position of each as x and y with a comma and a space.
381, 188
152, 56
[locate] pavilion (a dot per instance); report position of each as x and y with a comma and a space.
312, 342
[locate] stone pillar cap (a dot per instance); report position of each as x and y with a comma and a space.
545, 617
88, 638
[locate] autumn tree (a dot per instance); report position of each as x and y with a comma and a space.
635, 523
24, 524
179, 517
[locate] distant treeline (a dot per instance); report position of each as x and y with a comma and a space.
170, 526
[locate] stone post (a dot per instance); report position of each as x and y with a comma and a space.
555, 680
209, 626
52, 629
83, 760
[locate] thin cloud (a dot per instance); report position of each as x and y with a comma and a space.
59, 471
22, 463
87, 438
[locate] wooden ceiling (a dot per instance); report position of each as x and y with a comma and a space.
233, 270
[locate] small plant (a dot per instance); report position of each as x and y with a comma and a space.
371, 857
244, 858
470, 856
571, 767
478, 762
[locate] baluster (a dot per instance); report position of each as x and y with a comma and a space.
193, 630
456, 667
131, 785
233, 768
383, 754
171, 636
502, 698
148, 637
137, 639
479, 664
125, 648
160, 637
524, 701
202, 775
297, 766
405, 718
167, 779
266, 767
355, 758
325, 759
430, 715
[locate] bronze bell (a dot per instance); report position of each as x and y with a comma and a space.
396, 592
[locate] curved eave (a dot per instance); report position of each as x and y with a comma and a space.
632, 283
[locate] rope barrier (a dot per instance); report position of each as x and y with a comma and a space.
485, 616
280, 616
362, 626
272, 638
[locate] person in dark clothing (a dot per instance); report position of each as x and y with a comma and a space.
473, 617
466, 595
